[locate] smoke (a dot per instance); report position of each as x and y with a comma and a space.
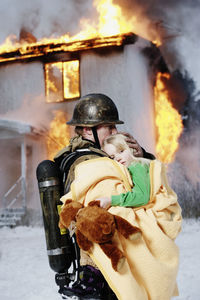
33, 111
177, 23
43, 18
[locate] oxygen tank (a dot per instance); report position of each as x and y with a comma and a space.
58, 242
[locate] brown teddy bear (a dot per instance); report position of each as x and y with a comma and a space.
96, 225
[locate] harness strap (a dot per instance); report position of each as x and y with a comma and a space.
65, 164
96, 138
69, 159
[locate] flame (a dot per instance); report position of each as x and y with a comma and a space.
168, 122
71, 79
58, 135
111, 21
53, 80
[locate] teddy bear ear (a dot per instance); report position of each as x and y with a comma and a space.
94, 203
68, 201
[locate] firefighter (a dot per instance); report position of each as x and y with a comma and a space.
95, 117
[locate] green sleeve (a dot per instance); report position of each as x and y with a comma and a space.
140, 193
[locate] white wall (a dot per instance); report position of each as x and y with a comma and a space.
125, 77
18, 82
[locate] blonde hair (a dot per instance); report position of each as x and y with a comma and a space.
119, 141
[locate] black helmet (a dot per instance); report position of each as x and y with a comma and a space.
93, 110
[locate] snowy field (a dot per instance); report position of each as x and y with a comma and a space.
25, 273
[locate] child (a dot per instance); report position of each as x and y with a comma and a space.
151, 265
116, 147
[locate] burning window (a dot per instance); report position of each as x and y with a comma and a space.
62, 81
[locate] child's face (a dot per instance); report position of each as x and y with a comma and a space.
123, 156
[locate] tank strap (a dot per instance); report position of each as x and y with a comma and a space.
65, 164
69, 159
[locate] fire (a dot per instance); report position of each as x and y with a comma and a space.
71, 80
111, 21
51, 84
58, 135
168, 122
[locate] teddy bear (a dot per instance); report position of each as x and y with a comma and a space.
95, 224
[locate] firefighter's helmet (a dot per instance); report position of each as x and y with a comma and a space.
93, 110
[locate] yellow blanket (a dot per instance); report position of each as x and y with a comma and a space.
150, 270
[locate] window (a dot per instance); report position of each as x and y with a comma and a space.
62, 81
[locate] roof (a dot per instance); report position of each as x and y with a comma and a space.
41, 50
11, 129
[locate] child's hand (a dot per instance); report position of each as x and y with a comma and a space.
105, 202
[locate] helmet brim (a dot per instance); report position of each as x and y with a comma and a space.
93, 123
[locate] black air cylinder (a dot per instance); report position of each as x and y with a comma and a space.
59, 245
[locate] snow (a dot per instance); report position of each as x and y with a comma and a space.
25, 273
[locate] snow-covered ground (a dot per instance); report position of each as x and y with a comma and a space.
25, 273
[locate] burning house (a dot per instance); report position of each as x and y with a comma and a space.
42, 81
